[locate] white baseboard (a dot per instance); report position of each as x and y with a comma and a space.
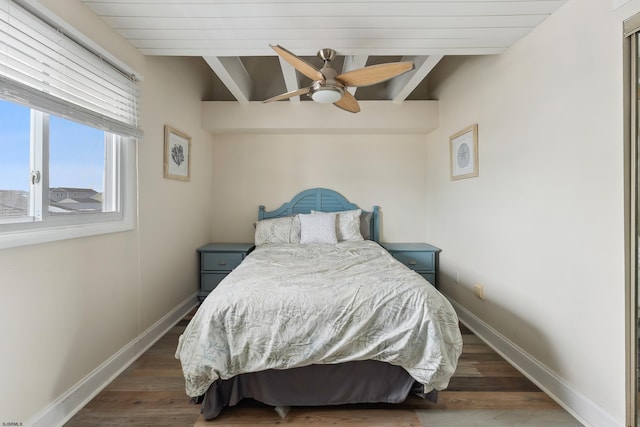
578, 405
68, 404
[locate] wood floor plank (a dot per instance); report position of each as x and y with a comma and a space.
477, 348
496, 369
491, 368
504, 384
494, 400
140, 400
133, 420
148, 382
479, 356
324, 416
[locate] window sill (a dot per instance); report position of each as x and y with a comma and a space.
46, 235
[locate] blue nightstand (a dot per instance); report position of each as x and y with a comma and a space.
420, 257
216, 261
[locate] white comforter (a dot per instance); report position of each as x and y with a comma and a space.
293, 305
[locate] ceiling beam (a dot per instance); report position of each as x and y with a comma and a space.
401, 86
234, 75
291, 79
353, 62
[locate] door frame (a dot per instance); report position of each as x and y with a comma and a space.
631, 30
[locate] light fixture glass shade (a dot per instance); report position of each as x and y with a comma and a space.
326, 95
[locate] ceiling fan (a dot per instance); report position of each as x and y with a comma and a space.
329, 87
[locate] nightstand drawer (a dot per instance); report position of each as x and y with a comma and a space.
208, 281
419, 261
221, 261
430, 277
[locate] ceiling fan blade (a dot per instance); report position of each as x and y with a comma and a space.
348, 103
373, 74
299, 64
289, 94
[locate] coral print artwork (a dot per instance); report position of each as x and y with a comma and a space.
177, 154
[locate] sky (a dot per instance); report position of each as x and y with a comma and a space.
76, 153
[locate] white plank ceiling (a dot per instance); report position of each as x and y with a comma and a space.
233, 37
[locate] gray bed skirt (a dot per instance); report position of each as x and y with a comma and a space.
315, 385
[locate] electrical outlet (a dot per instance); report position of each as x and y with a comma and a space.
478, 289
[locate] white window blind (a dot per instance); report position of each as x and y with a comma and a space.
45, 69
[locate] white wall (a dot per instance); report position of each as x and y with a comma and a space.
542, 226
384, 170
66, 307
175, 216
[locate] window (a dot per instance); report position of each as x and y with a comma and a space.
78, 166
68, 126
14, 161
57, 173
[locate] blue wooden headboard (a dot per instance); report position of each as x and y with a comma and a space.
324, 200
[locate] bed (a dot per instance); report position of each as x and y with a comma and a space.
319, 314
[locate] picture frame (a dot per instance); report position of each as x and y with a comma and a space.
464, 153
177, 154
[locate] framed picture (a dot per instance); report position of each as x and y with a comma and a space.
177, 154
464, 153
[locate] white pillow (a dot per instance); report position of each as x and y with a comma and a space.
318, 228
277, 230
365, 225
347, 225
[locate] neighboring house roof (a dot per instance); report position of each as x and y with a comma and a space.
73, 189
13, 203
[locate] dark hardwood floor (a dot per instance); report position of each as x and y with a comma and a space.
151, 393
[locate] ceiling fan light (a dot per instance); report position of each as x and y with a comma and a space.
326, 95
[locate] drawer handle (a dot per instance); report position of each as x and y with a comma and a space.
222, 262
412, 262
